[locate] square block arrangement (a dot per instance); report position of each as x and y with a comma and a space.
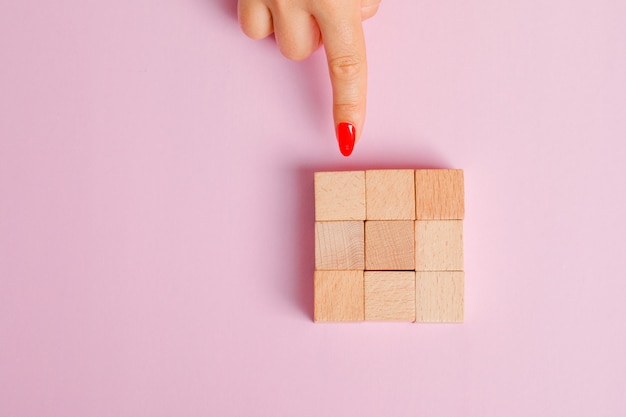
389, 245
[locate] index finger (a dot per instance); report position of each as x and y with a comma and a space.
344, 42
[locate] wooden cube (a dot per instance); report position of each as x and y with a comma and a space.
438, 245
339, 245
439, 194
339, 296
389, 245
340, 195
390, 194
439, 297
390, 295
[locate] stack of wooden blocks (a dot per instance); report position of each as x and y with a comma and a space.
389, 245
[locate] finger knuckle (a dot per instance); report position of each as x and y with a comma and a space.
296, 55
346, 67
295, 52
253, 32
254, 28
368, 12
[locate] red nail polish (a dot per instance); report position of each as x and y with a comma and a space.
346, 135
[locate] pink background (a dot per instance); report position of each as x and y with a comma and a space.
156, 211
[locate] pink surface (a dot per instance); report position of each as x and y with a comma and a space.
156, 210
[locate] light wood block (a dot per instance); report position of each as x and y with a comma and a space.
339, 246
439, 297
390, 194
438, 245
389, 245
340, 195
390, 295
339, 296
439, 194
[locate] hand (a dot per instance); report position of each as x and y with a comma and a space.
300, 27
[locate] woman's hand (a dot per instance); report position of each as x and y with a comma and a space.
300, 27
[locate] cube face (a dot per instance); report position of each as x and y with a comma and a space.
439, 194
389, 295
390, 194
389, 245
339, 246
340, 195
339, 296
439, 245
439, 297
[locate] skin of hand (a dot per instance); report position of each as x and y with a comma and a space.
301, 27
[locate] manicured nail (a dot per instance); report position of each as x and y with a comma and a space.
346, 135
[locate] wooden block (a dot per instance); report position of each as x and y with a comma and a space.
340, 195
339, 246
390, 194
438, 245
439, 296
389, 245
439, 194
339, 296
390, 295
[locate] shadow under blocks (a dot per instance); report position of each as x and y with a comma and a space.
389, 246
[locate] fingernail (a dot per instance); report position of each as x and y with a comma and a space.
346, 135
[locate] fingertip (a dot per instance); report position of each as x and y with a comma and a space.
346, 138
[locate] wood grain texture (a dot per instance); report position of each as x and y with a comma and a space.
340, 195
389, 295
339, 296
438, 245
389, 245
439, 194
390, 194
440, 297
339, 245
